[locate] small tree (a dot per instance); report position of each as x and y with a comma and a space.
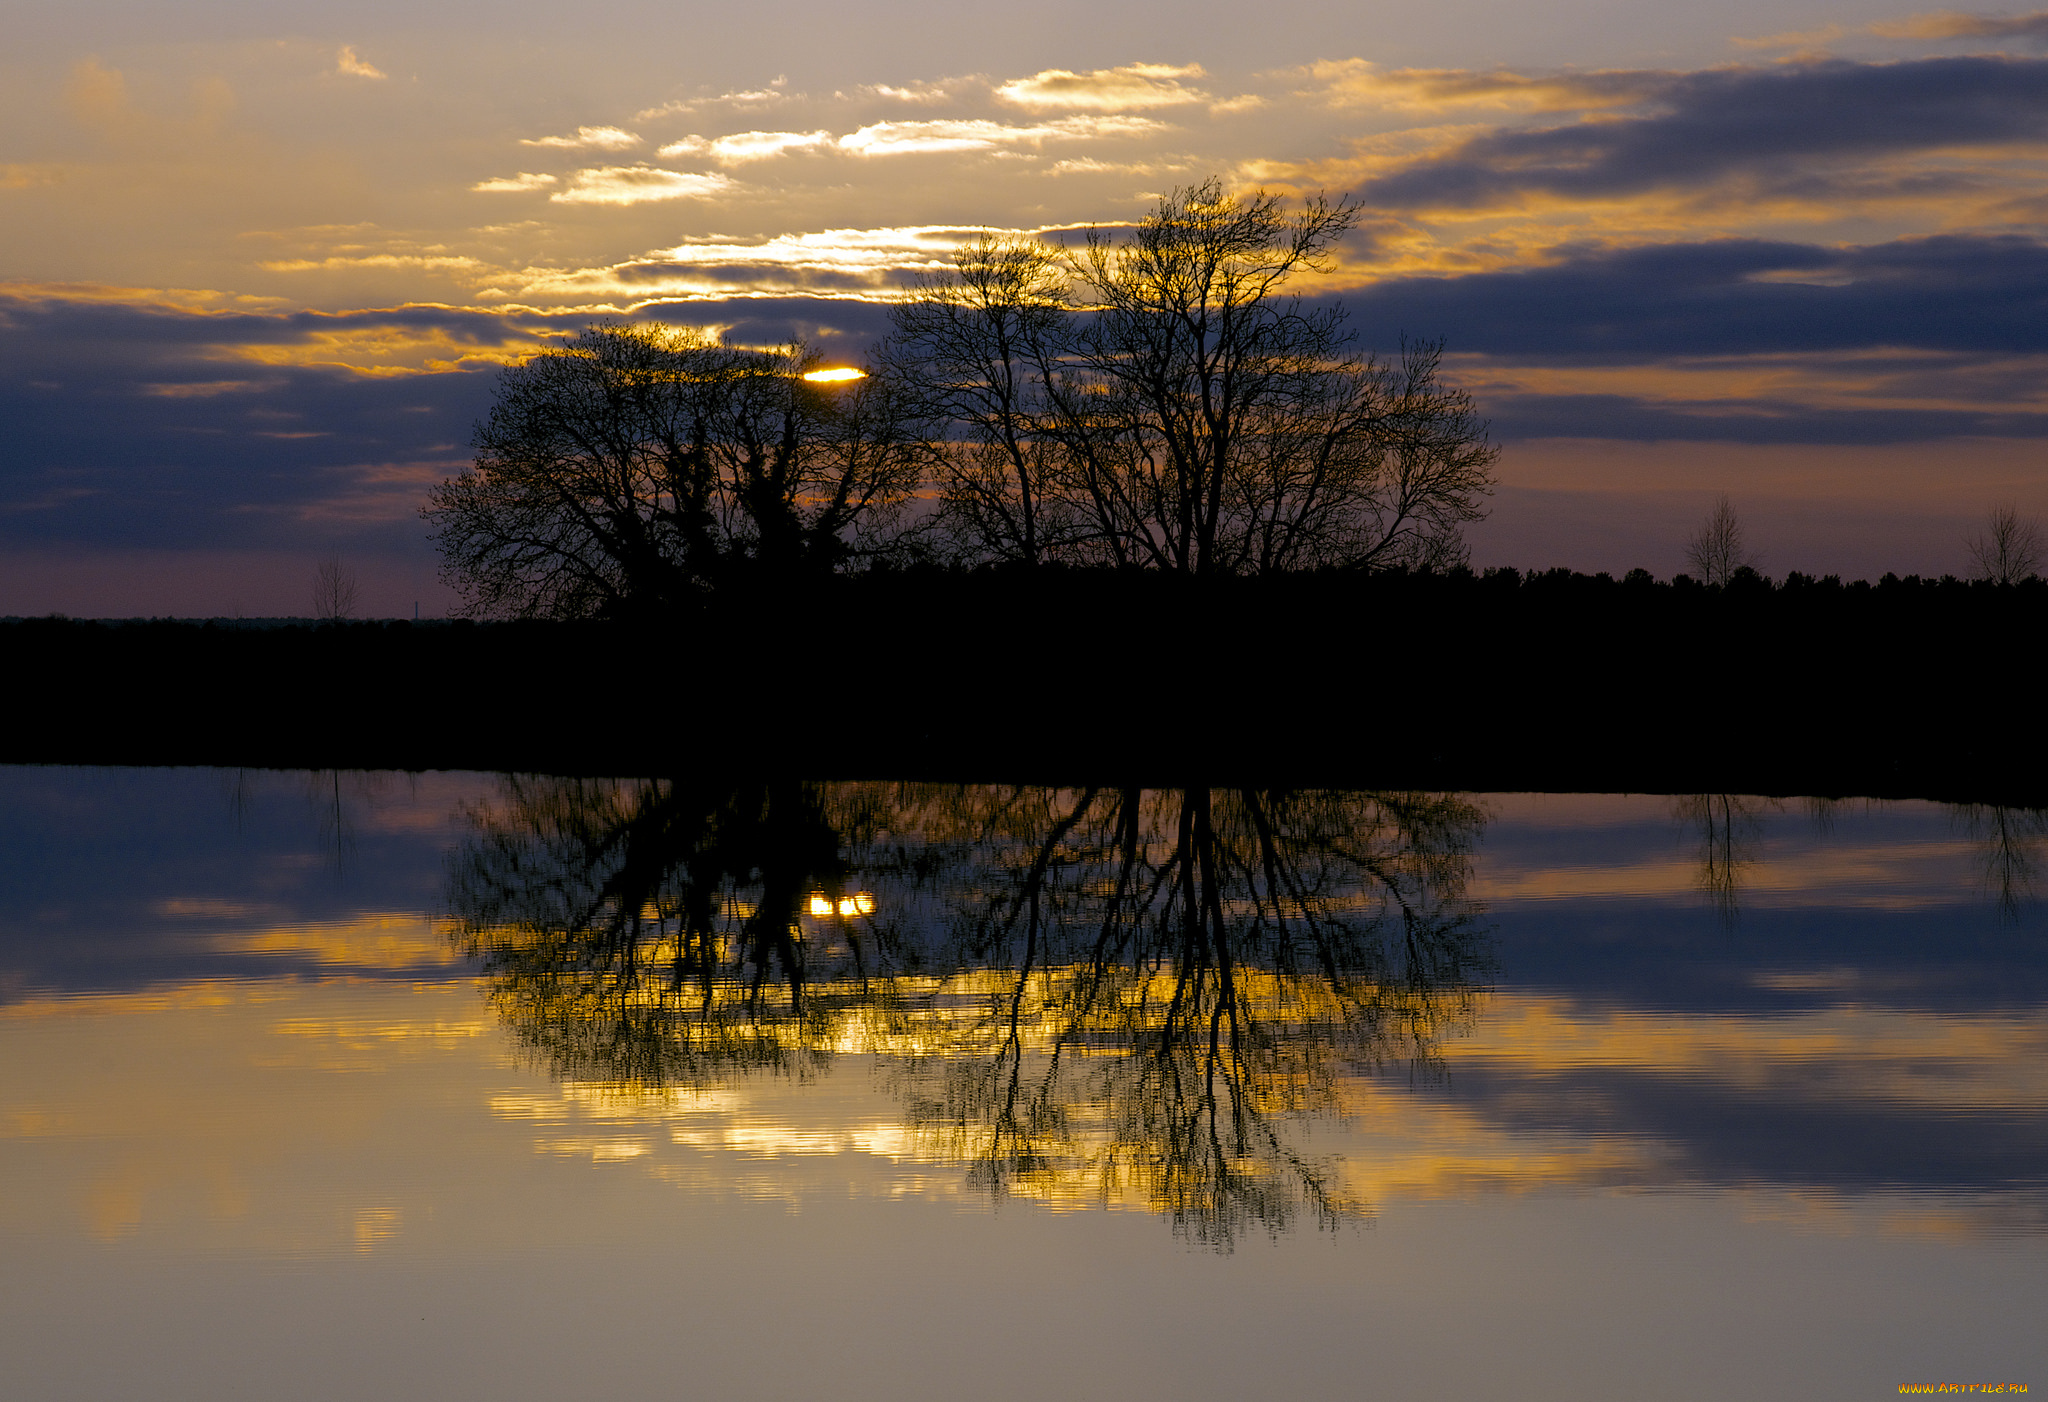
334, 590
2009, 549
1717, 550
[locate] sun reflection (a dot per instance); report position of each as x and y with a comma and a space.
859, 903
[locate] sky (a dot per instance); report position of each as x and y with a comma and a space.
261, 262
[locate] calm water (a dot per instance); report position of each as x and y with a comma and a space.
455, 1086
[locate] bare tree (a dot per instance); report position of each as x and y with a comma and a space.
1243, 432
972, 344
1717, 550
636, 468
334, 590
1165, 400
2010, 547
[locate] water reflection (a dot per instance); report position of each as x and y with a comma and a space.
2010, 843
1101, 992
1730, 829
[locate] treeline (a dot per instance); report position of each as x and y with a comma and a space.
1493, 680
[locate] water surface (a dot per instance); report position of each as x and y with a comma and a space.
344, 1085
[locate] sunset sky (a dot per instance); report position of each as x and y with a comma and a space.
261, 261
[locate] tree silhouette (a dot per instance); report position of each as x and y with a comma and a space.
2009, 549
974, 346
1167, 400
334, 590
638, 467
1717, 550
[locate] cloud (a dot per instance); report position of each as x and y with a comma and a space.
1973, 294
748, 145
27, 177
980, 134
426, 262
1354, 82
1936, 26
98, 95
1708, 126
921, 94
1086, 165
602, 138
525, 180
639, 185
1948, 24
775, 92
151, 425
1136, 85
1746, 340
347, 62
848, 262
136, 422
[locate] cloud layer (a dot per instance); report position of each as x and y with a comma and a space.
317, 264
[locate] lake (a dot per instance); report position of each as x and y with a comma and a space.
346, 1085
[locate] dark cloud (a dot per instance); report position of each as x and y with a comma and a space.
1719, 123
142, 426
842, 328
1951, 313
1643, 419
1981, 294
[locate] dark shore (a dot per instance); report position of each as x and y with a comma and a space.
1561, 682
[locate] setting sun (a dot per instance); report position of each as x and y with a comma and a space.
838, 376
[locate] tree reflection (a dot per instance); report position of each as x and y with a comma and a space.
1107, 993
1166, 980
1730, 829
651, 932
2010, 843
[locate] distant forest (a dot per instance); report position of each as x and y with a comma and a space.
1447, 679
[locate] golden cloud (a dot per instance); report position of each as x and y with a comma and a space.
747, 145
347, 62
981, 134
742, 97
863, 263
1794, 39
26, 177
1106, 89
190, 300
434, 262
602, 138
1355, 82
1086, 165
639, 185
944, 90
525, 180
98, 95
1949, 24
